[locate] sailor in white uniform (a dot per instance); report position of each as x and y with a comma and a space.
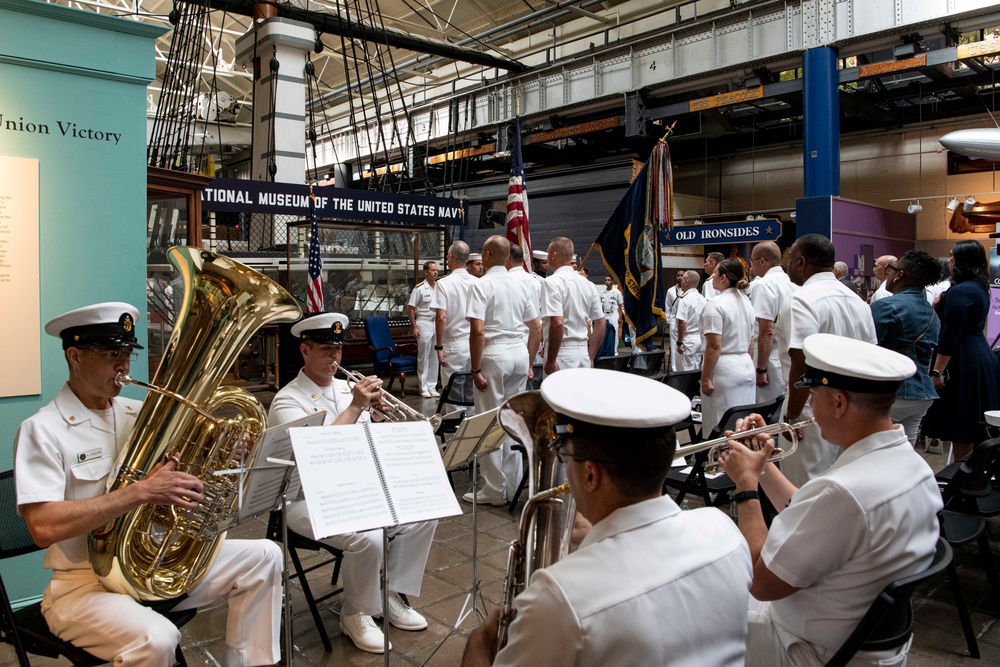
421, 315
316, 389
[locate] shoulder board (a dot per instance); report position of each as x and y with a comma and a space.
421, 283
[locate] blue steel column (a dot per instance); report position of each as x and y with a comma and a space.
821, 122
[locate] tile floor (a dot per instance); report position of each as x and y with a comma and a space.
938, 641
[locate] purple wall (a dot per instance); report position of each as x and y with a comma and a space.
856, 224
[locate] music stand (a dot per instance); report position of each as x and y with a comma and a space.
270, 489
476, 436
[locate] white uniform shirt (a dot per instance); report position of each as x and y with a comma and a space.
708, 289
302, 397
868, 520
880, 293
534, 288
822, 305
503, 303
611, 301
420, 300
731, 316
672, 295
65, 451
451, 294
605, 603
932, 292
690, 306
569, 295
770, 294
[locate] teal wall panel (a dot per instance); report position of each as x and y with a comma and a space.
87, 72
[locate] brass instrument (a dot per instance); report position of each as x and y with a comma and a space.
547, 518
717, 446
394, 409
160, 552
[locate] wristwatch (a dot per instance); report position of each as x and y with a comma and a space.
477, 371
935, 374
743, 496
439, 347
761, 371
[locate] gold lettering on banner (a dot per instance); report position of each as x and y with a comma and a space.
974, 49
725, 99
890, 66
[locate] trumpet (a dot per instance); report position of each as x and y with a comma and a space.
393, 409
717, 446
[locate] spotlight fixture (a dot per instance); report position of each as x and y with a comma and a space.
914, 208
970, 203
750, 218
954, 204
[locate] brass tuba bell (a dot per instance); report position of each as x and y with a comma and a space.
157, 552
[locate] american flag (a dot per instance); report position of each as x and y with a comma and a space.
314, 292
517, 200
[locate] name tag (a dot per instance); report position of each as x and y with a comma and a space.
89, 455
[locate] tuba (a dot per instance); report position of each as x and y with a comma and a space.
547, 518
158, 552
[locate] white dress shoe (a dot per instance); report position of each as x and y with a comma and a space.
483, 499
435, 393
363, 632
426, 394
403, 616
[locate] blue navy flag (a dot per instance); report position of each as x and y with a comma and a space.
314, 290
630, 248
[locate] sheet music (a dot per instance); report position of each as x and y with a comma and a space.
465, 441
264, 486
414, 474
340, 479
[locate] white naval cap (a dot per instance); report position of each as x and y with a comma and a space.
601, 397
327, 328
475, 257
539, 254
108, 324
853, 365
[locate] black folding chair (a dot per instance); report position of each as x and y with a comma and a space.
689, 384
612, 362
298, 541
720, 487
456, 395
888, 623
26, 629
647, 364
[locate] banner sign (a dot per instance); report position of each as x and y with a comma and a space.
738, 232
890, 66
240, 196
726, 99
975, 49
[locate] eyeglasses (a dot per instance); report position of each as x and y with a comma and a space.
114, 356
563, 455
890, 267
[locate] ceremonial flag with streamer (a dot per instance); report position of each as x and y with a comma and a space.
630, 242
314, 290
517, 200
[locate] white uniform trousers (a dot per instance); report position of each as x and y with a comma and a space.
685, 361
812, 456
775, 383
909, 413
505, 367
362, 562
573, 354
770, 645
427, 359
457, 354
734, 381
117, 628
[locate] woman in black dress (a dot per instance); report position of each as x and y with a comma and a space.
965, 372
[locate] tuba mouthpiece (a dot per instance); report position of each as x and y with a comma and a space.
123, 379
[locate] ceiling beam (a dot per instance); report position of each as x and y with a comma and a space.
337, 25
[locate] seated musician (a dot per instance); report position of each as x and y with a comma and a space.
62, 457
868, 520
650, 584
316, 389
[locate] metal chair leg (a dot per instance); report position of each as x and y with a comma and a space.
963, 611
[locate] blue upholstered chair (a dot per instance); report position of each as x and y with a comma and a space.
385, 354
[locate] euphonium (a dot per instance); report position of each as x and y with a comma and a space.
157, 552
547, 518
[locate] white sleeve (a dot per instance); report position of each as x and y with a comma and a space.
552, 305
39, 462
546, 630
765, 302
414, 297
476, 309
711, 318
803, 322
440, 298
